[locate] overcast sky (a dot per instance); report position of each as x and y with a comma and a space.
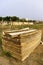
32, 9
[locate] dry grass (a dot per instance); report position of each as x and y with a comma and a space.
36, 57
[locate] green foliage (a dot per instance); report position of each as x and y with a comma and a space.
30, 20
7, 53
14, 18
0, 18
6, 19
23, 20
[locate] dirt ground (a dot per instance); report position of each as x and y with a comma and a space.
35, 58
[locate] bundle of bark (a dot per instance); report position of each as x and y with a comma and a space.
21, 43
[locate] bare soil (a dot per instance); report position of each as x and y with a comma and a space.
35, 58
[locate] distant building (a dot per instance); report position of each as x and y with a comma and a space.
27, 19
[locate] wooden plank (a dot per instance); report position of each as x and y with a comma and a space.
21, 44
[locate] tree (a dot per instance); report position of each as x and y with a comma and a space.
30, 20
23, 20
1, 20
7, 19
34, 21
14, 18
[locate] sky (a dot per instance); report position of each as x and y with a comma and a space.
31, 9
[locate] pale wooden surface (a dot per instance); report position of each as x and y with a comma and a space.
27, 44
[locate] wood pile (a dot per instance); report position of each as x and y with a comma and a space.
21, 43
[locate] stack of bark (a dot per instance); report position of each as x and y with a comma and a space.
21, 43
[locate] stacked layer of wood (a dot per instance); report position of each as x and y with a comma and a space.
21, 43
